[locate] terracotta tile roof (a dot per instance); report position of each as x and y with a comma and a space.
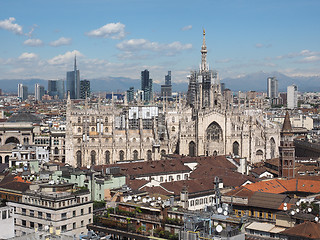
149, 168
193, 185
307, 230
156, 190
136, 183
284, 185
242, 192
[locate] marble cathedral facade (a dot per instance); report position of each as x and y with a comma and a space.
204, 124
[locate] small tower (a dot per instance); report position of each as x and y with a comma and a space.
286, 150
184, 197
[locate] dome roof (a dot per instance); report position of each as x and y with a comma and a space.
24, 117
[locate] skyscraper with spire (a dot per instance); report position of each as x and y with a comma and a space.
73, 82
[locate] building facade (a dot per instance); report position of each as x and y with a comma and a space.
292, 96
22, 92
204, 125
146, 86
38, 92
63, 212
84, 89
56, 88
73, 82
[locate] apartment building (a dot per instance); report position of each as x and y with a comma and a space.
54, 206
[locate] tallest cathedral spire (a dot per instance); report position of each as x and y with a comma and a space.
204, 54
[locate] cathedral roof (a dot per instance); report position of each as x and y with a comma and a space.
286, 123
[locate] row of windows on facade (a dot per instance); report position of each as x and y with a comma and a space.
257, 214
93, 156
120, 140
200, 201
171, 178
52, 204
93, 119
4, 214
40, 226
56, 151
48, 216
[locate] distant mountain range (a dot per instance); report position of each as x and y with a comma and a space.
255, 81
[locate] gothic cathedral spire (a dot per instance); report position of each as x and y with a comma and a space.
204, 54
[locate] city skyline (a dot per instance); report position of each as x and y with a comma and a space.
121, 38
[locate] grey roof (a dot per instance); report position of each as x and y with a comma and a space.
24, 117
267, 200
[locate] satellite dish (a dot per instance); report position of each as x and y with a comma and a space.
153, 198
152, 204
219, 228
298, 203
285, 208
226, 208
129, 198
88, 166
46, 227
316, 219
309, 209
136, 199
144, 200
220, 210
225, 213
285, 204
125, 200
297, 210
293, 212
139, 198
159, 198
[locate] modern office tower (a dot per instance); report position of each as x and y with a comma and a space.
168, 78
84, 89
223, 87
56, 88
73, 82
22, 92
166, 89
130, 94
272, 87
292, 96
38, 92
146, 86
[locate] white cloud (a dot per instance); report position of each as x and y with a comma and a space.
8, 24
64, 58
33, 42
61, 41
110, 30
302, 53
261, 45
135, 45
186, 28
310, 59
28, 56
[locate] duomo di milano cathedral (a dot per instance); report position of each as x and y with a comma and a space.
204, 124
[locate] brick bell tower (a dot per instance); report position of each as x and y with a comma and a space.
286, 150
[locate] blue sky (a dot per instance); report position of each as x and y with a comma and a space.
120, 38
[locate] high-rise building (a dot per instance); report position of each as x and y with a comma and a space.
272, 87
286, 150
56, 88
292, 96
130, 94
22, 92
38, 92
166, 89
84, 89
73, 82
146, 86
